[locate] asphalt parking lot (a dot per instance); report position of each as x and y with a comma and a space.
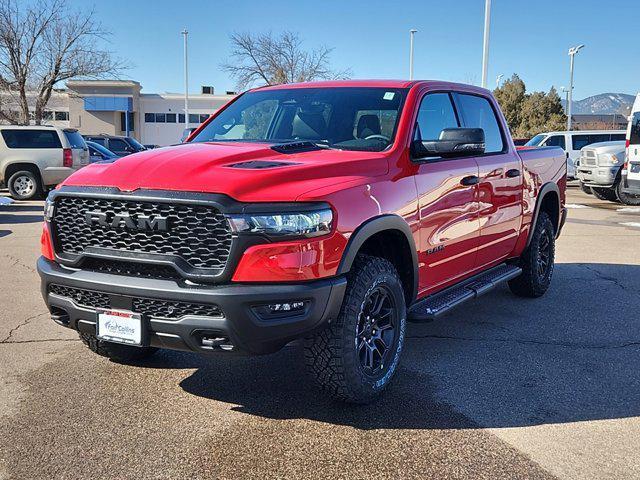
509, 388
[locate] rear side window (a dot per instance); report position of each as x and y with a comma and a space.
75, 139
618, 136
31, 138
634, 137
435, 114
555, 141
117, 145
477, 112
581, 141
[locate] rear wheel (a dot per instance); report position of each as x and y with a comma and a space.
115, 351
537, 261
24, 185
355, 358
608, 194
627, 198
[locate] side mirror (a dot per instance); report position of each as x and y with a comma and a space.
453, 142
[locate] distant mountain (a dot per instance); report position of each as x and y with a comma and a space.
604, 103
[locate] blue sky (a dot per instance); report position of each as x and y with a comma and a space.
371, 38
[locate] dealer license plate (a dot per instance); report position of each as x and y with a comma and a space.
119, 326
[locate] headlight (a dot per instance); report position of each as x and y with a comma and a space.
49, 208
608, 160
298, 224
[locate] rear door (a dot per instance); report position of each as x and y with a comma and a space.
500, 184
449, 227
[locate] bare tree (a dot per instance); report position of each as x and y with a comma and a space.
272, 59
41, 44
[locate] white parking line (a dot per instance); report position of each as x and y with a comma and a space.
631, 224
629, 210
576, 205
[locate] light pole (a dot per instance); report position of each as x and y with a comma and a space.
185, 33
412, 33
498, 78
485, 47
572, 54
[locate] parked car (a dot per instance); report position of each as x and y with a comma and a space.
346, 208
186, 132
33, 159
600, 169
150, 146
98, 153
631, 171
518, 142
574, 141
121, 146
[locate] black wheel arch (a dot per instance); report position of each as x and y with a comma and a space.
549, 201
389, 226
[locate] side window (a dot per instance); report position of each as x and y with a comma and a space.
99, 140
117, 145
555, 141
579, 141
435, 114
605, 137
478, 113
634, 131
618, 136
31, 138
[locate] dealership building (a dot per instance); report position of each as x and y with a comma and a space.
118, 107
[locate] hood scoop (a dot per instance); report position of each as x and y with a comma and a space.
295, 147
260, 164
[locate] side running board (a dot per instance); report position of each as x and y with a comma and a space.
441, 302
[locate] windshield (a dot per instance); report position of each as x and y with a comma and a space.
104, 151
344, 118
75, 139
537, 140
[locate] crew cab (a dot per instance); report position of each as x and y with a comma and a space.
332, 212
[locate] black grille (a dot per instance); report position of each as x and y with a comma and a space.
149, 307
198, 234
82, 297
130, 269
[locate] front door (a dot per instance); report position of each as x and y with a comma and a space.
447, 201
500, 185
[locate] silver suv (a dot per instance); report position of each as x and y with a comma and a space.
35, 158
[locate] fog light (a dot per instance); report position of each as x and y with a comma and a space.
281, 309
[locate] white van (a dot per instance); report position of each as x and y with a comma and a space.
631, 170
572, 142
35, 158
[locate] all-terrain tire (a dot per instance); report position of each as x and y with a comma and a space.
608, 194
627, 198
585, 189
25, 185
115, 351
338, 356
537, 261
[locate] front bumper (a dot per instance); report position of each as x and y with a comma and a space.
240, 321
598, 176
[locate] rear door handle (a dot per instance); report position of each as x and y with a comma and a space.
470, 180
514, 172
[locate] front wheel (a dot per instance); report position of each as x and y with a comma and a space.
537, 261
608, 194
627, 198
355, 357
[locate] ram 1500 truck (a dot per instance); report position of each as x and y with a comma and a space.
332, 212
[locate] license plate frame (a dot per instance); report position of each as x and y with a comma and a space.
120, 326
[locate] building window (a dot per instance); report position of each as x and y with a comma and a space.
63, 116
161, 118
123, 124
47, 115
149, 117
171, 118
181, 118
203, 117
194, 118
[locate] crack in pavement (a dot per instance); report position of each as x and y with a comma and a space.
42, 340
526, 342
18, 262
20, 325
602, 276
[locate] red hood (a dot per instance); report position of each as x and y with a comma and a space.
205, 167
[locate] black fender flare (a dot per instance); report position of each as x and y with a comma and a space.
367, 230
544, 190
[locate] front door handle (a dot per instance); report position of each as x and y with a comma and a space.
514, 172
470, 180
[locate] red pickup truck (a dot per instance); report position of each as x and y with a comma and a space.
332, 212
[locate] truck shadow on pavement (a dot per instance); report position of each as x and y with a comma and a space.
570, 356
